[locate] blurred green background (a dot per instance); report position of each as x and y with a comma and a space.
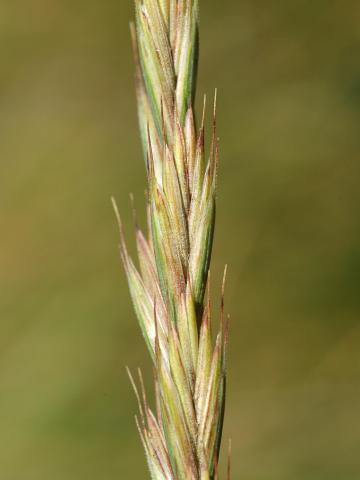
288, 74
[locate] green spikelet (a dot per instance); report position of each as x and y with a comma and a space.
182, 439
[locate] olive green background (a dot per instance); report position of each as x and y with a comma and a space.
288, 74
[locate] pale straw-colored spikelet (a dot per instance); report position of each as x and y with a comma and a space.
182, 436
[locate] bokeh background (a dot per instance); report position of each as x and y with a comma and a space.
288, 75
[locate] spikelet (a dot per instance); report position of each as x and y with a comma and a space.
182, 438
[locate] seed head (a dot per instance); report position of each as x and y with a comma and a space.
182, 438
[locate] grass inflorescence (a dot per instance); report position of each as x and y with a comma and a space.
182, 435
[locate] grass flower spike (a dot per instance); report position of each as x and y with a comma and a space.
182, 435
